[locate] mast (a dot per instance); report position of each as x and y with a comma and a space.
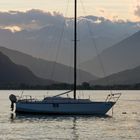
75, 47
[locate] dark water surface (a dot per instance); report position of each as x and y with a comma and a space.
123, 125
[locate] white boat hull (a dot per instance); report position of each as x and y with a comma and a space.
90, 108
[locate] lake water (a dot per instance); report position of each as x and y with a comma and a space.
123, 125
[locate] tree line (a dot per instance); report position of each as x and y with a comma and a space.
65, 86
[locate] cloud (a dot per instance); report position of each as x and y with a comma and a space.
31, 19
137, 11
37, 19
107, 14
13, 28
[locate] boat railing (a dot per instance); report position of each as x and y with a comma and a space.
113, 97
26, 98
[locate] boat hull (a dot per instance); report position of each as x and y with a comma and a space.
92, 108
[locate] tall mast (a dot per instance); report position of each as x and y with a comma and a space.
75, 47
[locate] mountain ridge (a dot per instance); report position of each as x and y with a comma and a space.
124, 55
13, 74
127, 77
47, 69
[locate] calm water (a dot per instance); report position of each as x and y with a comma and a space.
124, 125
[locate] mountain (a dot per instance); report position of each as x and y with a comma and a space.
122, 56
41, 33
127, 77
47, 69
13, 74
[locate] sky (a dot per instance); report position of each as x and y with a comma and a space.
30, 25
111, 9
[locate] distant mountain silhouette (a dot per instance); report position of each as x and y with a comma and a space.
122, 56
47, 69
127, 77
40, 39
13, 74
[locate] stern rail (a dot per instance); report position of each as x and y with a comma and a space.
113, 97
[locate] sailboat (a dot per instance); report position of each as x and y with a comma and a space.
60, 105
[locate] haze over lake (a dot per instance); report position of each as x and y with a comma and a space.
123, 125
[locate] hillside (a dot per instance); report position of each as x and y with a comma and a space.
122, 56
127, 77
47, 69
13, 74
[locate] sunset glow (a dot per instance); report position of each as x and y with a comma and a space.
112, 9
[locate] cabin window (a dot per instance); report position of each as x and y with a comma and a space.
55, 105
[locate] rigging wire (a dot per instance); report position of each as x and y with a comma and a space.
50, 50
95, 46
51, 44
69, 47
70, 64
59, 43
79, 60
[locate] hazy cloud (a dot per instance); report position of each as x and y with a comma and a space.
30, 19
37, 19
137, 11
